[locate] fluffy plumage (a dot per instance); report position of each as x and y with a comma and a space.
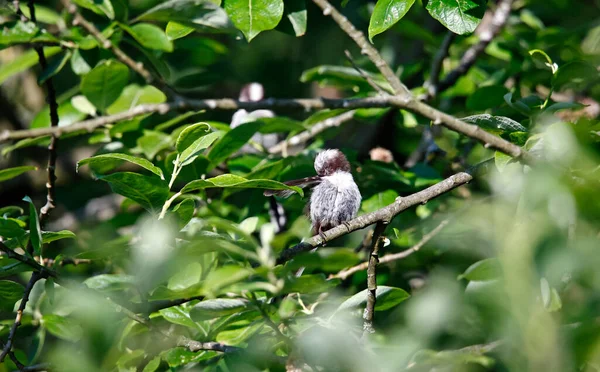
335, 198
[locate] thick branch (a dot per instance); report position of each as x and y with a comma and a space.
408, 103
486, 35
369, 312
365, 47
386, 213
13, 330
344, 274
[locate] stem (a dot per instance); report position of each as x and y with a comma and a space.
167, 204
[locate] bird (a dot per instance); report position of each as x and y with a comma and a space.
335, 197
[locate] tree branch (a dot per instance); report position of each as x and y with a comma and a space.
386, 213
53, 105
344, 274
408, 103
27, 261
377, 243
105, 43
365, 47
13, 330
368, 79
190, 344
436, 66
319, 127
486, 35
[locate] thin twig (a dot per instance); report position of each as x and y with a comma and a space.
190, 344
105, 43
376, 245
269, 321
365, 47
344, 274
486, 35
53, 105
438, 117
386, 213
36, 368
436, 66
27, 261
319, 127
13, 330
369, 80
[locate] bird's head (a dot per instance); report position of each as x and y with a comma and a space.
330, 161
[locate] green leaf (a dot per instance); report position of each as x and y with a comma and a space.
574, 75
233, 181
21, 32
501, 160
35, 233
78, 64
316, 283
190, 153
184, 212
9, 267
495, 124
103, 85
62, 327
210, 309
9, 173
149, 192
24, 62
253, 16
199, 14
379, 201
110, 282
223, 277
51, 236
232, 141
279, 124
453, 359
43, 14
55, 67
178, 315
459, 16
486, 97
152, 365
150, 36
295, 12
114, 159
102, 7
10, 292
50, 290
83, 105
550, 297
152, 142
488, 269
176, 30
10, 228
134, 95
190, 134
591, 42
386, 13
387, 297
67, 115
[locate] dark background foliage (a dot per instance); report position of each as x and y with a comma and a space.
159, 252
